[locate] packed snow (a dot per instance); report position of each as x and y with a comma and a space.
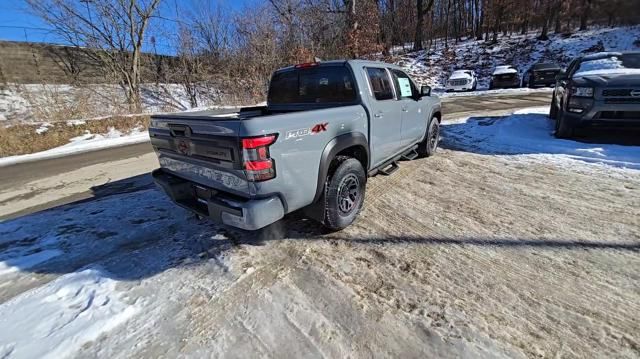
129, 273
56, 320
529, 132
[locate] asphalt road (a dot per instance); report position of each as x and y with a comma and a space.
37, 185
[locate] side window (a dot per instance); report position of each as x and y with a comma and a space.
380, 83
404, 85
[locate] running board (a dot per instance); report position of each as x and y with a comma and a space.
392, 165
410, 155
390, 169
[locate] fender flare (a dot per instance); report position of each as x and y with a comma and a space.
330, 151
436, 108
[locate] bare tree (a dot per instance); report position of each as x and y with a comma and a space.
190, 61
421, 11
113, 29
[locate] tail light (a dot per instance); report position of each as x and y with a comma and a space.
258, 164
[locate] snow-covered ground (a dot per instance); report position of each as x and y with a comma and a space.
39, 103
529, 132
85, 143
129, 274
497, 92
433, 66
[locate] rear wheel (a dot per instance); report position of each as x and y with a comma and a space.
429, 145
344, 193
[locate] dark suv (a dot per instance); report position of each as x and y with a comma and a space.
541, 74
504, 76
602, 88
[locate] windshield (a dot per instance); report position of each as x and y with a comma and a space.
329, 84
625, 63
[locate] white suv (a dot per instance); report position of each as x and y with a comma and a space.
462, 80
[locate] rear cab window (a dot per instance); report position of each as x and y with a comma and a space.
315, 85
380, 83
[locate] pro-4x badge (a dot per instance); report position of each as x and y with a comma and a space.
319, 127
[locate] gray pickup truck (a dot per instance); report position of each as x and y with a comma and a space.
597, 89
327, 126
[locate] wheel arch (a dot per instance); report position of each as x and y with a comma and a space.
353, 144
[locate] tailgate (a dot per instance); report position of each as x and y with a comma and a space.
202, 149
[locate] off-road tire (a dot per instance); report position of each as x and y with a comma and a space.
563, 128
553, 110
429, 145
344, 193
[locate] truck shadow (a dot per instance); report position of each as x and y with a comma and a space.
532, 133
131, 231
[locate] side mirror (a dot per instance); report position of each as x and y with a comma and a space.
425, 90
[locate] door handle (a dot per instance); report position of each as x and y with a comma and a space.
378, 115
404, 109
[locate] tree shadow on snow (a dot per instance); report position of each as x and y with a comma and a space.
532, 134
131, 230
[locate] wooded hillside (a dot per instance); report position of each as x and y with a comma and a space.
242, 47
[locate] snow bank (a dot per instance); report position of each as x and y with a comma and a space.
516, 91
16, 264
530, 132
84, 143
56, 320
34, 102
432, 66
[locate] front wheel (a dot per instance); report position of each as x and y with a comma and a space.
553, 110
344, 194
429, 145
563, 128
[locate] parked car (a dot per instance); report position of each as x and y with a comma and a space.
504, 76
541, 74
462, 80
326, 127
602, 88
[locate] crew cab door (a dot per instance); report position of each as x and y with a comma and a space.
386, 116
413, 120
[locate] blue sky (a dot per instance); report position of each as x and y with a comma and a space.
16, 24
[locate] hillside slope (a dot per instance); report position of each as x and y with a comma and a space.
433, 66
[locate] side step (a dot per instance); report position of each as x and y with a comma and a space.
410, 155
390, 169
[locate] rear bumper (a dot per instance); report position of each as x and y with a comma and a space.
221, 207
